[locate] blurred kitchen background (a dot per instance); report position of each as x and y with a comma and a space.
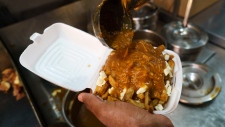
41, 106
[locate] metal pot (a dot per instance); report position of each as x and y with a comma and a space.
187, 42
145, 17
76, 114
150, 37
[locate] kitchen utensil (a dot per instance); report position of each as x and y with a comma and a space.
187, 12
113, 17
146, 17
76, 114
201, 83
187, 41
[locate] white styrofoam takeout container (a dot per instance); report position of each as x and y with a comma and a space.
72, 59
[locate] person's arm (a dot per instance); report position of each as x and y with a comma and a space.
122, 114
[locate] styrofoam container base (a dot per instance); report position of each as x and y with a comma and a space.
72, 59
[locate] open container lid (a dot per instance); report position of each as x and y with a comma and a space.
65, 56
72, 59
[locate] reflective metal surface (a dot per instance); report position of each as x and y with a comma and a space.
150, 37
10, 108
212, 21
131, 4
113, 17
146, 17
76, 114
185, 38
110, 18
185, 41
16, 38
200, 83
209, 114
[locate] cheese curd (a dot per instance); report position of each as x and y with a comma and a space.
101, 79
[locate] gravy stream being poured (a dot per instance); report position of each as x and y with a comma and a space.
135, 71
115, 21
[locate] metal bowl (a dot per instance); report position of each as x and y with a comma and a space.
150, 37
145, 17
76, 114
201, 83
187, 42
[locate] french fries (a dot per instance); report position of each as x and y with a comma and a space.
142, 77
9, 79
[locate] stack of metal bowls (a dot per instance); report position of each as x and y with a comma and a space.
146, 17
187, 41
145, 23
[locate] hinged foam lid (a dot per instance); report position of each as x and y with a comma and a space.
65, 56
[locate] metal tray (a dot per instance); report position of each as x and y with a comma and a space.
46, 107
8, 101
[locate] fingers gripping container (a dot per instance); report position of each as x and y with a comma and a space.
72, 59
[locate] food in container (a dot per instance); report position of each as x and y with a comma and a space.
71, 58
140, 75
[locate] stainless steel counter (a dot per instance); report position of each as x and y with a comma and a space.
210, 114
16, 39
212, 20
10, 108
